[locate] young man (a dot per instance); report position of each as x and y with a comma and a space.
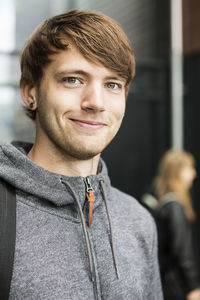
77, 237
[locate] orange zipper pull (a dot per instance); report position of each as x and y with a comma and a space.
90, 196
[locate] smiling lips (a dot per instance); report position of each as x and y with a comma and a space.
90, 125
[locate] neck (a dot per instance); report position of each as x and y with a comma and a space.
63, 164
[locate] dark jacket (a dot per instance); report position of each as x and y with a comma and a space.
177, 263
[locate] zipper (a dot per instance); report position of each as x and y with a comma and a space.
90, 197
86, 235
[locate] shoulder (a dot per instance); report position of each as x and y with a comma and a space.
132, 223
172, 209
127, 207
3, 147
6, 148
6, 151
170, 201
121, 199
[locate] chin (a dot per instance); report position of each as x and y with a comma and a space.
84, 155
81, 150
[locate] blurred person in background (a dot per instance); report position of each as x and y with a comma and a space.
77, 237
175, 214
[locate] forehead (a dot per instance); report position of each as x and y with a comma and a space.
71, 59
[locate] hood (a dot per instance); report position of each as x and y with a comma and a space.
22, 173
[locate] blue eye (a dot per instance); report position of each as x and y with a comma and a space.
71, 80
112, 85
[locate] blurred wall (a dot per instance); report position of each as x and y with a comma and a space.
191, 27
191, 41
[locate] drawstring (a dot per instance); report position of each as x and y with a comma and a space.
111, 233
84, 229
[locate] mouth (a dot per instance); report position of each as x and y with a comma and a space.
89, 125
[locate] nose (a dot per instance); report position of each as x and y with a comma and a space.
93, 98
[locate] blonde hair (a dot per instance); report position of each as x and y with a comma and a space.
168, 178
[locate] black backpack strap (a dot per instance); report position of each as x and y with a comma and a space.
7, 236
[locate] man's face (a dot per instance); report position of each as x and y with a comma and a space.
80, 105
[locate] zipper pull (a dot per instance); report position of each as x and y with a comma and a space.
90, 196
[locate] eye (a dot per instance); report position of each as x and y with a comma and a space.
113, 85
71, 80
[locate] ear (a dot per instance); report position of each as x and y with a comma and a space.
28, 95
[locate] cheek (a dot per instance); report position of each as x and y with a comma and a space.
61, 102
118, 109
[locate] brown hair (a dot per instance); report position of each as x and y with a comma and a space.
96, 36
168, 178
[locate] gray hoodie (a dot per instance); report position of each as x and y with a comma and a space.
57, 256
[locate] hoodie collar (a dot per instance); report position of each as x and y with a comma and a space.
21, 172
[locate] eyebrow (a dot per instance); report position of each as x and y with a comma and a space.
87, 75
68, 72
118, 78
